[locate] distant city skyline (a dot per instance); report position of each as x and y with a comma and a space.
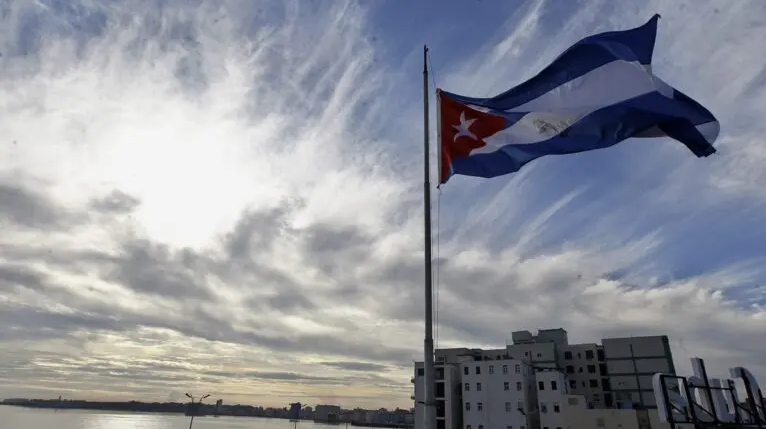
317, 413
185, 401
225, 197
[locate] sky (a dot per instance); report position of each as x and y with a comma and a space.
214, 196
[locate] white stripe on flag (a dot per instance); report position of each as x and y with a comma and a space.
558, 109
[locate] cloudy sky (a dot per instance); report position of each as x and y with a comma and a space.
216, 197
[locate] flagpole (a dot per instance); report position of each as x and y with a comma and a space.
429, 421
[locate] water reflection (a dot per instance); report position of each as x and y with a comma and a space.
131, 421
30, 418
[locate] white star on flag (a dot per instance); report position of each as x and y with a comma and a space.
463, 128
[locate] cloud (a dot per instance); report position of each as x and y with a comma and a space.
225, 198
357, 366
116, 202
27, 208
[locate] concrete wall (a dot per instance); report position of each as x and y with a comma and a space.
493, 394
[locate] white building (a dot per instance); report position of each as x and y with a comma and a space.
551, 388
471, 383
496, 394
448, 395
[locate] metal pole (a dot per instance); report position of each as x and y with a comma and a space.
193, 410
191, 422
428, 343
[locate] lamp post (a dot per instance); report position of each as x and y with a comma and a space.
193, 410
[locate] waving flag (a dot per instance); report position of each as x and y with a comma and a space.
596, 94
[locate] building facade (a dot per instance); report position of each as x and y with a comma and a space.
551, 387
630, 365
525, 384
577, 415
496, 393
448, 395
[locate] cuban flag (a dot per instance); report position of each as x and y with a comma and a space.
596, 94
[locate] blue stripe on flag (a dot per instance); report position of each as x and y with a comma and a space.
601, 129
634, 45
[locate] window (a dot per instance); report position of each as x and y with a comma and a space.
478, 370
545, 427
505, 369
518, 386
478, 387
572, 401
554, 385
588, 354
481, 426
591, 369
520, 406
570, 369
507, 407
506, 386
517, 369
465, 372
479, 406
602, 368
541, 385
556, 408
522, 427
421, 372
492, 369
593, 383
468, 406
568, 355
573, 384
467, 426
539, 355
467, 387
543, 407
600, 354
579, 369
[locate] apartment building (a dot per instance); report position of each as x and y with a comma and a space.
551, 387
585, 367
630, 365
448, 395
496, 394
614, 374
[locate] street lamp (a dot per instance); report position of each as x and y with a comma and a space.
193, 409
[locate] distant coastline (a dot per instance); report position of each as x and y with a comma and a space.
172, 408
150, 407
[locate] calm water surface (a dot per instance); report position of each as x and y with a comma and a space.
30, 418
